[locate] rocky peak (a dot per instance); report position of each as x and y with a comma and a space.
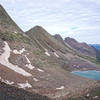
59, 38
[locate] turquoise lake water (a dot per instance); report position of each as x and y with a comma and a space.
92, 74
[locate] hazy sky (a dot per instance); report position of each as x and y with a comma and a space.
79, 19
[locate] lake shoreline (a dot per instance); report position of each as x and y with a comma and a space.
90, 74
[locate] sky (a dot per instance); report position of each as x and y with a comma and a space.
79, 19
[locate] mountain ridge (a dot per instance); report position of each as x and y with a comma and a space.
45, 38
6, 23
81, 47
38, 63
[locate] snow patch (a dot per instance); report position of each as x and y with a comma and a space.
19, 52
4, 61
27, 53
15, 32
7, 82
35, 79
47, 53
95, 97
78, 66
88, 95
27, 59
40, 70
74, 65
29, 65
56, 54
25, 85
60, 88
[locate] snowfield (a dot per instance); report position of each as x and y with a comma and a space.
60, 88
4, 61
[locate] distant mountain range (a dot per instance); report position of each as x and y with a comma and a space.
41, 64
97, 46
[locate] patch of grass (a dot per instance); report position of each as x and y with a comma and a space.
37, 52
8, 36
96, 61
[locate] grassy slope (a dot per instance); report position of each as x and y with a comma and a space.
90, 59
41, 40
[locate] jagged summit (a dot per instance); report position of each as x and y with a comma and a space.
59, 38
6, 23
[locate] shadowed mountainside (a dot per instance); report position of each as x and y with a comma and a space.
82, 48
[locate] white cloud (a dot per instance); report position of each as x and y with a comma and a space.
57, 16
95, 1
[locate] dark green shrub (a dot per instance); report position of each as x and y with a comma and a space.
9, 36
6, 36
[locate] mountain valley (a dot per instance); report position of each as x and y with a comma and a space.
34, 65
